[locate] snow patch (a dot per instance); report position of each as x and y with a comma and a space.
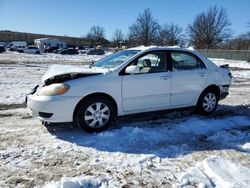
79, 182
243, 74
246, 147
215, 171
163, 138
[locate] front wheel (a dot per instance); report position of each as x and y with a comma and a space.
207, 102
95, 114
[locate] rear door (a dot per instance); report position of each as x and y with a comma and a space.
189, 77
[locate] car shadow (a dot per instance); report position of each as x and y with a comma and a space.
166, 133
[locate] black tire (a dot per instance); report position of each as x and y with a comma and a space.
205, 106
37, 52
83, 113
20, 51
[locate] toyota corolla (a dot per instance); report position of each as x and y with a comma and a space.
135, 80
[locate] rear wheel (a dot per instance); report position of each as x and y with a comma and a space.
37, 52
95, 114
207, 102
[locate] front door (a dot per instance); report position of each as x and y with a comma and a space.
150, 88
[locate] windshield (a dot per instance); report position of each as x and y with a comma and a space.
116, 59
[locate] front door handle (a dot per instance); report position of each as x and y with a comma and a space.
165, 77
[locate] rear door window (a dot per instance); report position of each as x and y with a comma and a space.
185, 61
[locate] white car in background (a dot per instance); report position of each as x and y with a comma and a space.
30, 50
135, 80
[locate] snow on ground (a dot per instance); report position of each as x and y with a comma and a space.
48, 58
17, 80
153, 153
177, 149
232, 63
169, 140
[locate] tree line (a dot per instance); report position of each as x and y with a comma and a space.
209, 30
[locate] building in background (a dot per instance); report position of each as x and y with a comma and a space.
44, 43
9, 36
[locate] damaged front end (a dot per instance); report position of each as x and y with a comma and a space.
53, 80
60, 79
66, 77
62, 73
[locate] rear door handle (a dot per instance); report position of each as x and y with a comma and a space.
165, 77
202, 74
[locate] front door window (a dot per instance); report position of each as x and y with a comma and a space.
152, 62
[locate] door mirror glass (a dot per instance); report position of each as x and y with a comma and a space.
132, 69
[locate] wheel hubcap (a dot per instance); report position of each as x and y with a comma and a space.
97, 115
209, 102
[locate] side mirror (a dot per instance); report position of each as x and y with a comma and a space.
132, 69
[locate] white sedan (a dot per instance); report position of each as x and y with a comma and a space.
30, 50
135, 80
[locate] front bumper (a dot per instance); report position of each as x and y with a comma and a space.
52, 108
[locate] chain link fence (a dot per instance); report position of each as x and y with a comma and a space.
243, 55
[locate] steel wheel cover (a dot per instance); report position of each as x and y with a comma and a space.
209, 102
97, 115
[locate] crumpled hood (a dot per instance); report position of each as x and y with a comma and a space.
57, 70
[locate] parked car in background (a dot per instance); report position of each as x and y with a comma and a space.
51, 49
135, 80
96, 52
16, 45
86, 50
2, 49
30, 50
69, 51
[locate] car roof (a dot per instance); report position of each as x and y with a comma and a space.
152, 48
144, 49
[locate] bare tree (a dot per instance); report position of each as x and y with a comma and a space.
248, 33
118, 37
145, 29
129, 40
96, 33
170, 35
209, 28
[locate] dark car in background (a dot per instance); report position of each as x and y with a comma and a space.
51, 49
68, 51
2, 49
96, 52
